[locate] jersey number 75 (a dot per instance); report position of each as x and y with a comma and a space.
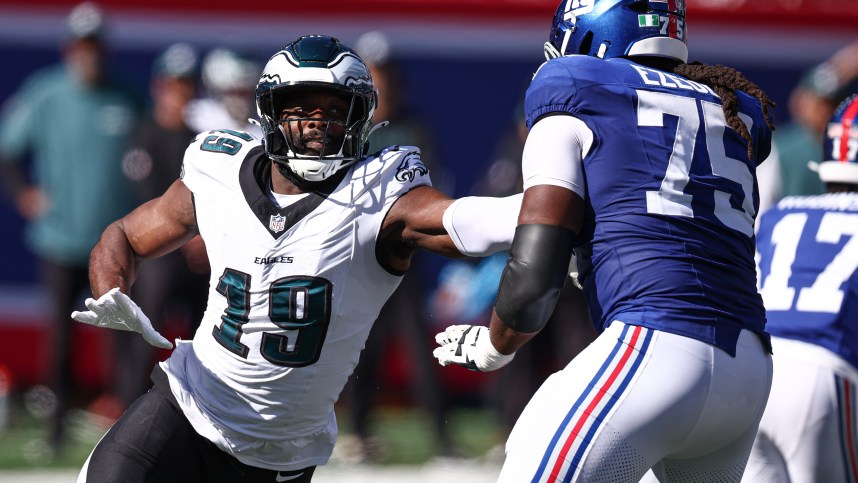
670, 198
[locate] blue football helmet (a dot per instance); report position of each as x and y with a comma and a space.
840, 146
619, 28
317, 62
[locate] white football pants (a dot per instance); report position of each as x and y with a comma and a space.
639, 398
808, 431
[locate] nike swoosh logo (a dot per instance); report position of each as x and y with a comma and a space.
280, 477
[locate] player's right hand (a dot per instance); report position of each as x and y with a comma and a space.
115, 310
469, 346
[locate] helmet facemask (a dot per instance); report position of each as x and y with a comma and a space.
315, 145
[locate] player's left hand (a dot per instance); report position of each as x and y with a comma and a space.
469, 346
115, 310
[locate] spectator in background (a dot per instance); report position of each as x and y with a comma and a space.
811, 105
229, 79
808, 249
73, 121
404, 127
403, 316
173, 288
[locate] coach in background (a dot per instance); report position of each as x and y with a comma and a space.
808, 249
74, 122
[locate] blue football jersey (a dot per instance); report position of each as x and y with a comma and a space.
808, 253
671, 197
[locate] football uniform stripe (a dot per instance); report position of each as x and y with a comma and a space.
612, 401
845, 130
561, 429
622, 363
846, 403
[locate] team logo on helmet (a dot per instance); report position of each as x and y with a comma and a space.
617, 28
575, 8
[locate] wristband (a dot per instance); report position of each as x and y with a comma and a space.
487, 358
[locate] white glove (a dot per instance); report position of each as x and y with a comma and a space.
115, 310
469, 346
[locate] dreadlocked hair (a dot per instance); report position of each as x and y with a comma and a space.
725, 81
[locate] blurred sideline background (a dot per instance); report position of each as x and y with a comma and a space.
465, 65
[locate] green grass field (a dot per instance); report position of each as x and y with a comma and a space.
403, 435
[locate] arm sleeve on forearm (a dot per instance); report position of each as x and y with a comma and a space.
534, 275
481, 226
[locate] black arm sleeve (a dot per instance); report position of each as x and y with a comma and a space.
534, 275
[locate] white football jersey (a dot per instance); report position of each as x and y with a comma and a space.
294, 292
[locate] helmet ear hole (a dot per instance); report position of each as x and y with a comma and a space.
586, 44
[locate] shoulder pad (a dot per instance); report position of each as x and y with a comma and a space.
223, 141
396, 169
213, 151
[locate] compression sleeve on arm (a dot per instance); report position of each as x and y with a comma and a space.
540, 254
552, 138
534, 275
481, 226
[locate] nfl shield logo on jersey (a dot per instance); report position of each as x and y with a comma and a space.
277, 223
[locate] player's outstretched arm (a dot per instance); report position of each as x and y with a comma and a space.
153, 229
537, 268
425, 218
551, 215
535, 272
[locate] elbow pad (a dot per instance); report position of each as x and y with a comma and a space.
534, 275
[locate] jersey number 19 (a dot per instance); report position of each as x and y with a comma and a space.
298, 304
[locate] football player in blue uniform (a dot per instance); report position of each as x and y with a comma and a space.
808, 254
307, 235
644, 164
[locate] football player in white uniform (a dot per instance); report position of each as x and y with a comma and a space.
307, 236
